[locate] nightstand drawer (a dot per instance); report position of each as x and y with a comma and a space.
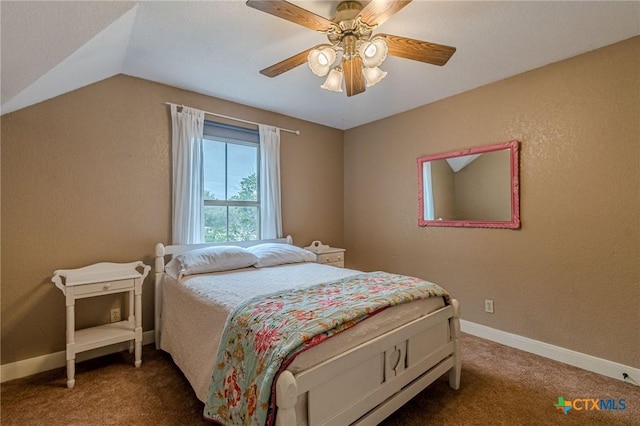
104, 287
330, 257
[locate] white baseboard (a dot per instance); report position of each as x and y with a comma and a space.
556, 353
27, 367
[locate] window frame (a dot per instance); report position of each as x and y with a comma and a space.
234, 203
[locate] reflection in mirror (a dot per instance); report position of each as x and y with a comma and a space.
476, 187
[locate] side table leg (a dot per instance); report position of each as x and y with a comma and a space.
138, 354
138, 327
71, 350
71, 371
132, 316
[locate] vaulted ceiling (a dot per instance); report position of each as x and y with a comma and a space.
217, 48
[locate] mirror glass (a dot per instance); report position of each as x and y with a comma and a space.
476, 187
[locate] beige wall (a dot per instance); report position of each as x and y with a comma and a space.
571, 275
86, 178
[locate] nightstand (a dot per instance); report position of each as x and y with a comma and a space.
99, 280
327, 255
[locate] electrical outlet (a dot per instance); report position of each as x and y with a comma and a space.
115, 314
488, 305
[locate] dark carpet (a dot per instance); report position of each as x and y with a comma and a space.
500, 386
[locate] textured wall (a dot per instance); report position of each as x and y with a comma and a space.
86, 178
571, 275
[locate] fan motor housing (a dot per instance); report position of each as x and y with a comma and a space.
347, 23
347, 11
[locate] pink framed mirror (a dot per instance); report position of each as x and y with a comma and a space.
475, 187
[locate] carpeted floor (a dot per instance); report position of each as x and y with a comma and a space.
500, 386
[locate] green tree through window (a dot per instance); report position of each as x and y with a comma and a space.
243, 221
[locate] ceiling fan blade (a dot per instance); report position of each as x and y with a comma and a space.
423, 51
288, 64
353, 77
378, 11
291, 12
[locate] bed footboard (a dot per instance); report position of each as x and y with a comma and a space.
369, 382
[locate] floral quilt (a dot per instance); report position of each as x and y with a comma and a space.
263, 335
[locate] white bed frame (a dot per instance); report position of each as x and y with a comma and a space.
367, 383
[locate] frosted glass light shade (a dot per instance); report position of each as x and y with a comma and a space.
333, 81
321, 60
373, 76
373, 52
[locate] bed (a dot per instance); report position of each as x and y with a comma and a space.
362, 374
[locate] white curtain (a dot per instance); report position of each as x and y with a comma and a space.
270, 212
188, 175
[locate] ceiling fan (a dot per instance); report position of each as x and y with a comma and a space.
353, 46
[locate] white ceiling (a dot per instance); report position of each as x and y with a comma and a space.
217, 48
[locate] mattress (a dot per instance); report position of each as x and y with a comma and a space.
195, 309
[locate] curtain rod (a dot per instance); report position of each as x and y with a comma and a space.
297, 132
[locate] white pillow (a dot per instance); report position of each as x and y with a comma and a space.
272, 254
210, 259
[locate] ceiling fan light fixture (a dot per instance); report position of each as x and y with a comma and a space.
373, 52
320, 60
352, 47
373, 76
334, 80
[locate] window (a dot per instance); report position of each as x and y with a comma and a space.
231, 187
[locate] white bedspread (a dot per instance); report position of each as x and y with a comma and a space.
195, 309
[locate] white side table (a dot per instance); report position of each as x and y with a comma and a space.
327, 255
99, 280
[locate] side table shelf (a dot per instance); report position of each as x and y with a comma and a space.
99, 280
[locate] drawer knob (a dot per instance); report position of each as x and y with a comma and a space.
106, 286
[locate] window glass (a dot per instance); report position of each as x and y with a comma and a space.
214, 170
241, 172
243, 223
215, 224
